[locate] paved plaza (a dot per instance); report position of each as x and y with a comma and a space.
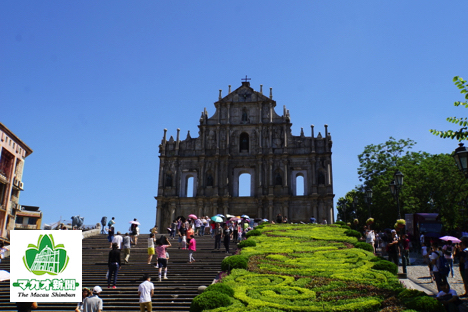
419, 277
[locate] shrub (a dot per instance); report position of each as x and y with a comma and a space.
253, 233
353, 233
221, 288
385, 265
411, 293
378, 258
234, 262
424, 303
345, 227
247, 243
340, 223
364, 246
209, 300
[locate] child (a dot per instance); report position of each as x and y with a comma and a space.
192, 248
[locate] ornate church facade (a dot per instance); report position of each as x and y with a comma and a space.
245, 136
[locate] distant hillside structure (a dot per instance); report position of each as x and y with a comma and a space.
245, 136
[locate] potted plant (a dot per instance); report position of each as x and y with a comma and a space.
401, 223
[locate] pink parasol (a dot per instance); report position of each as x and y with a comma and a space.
234, 219
192, 216
450, 238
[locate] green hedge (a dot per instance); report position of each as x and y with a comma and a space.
221, 288
209, 300
426, 304
353, 233
255, 232
234, 262
385, 265
247, 243
364, 246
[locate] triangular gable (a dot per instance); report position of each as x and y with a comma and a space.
246, 92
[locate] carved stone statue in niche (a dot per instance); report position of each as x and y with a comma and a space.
223, 138
277, 138
244, 115
244, 143
278, 179
211, 140
209, 180
321, 178
266, 138
168, 182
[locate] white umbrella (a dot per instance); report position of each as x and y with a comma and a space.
134, 222
4, 275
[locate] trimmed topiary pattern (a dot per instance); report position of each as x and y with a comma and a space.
314, 268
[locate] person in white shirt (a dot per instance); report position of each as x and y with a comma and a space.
146, 291
448, 297
118, 239
370, 238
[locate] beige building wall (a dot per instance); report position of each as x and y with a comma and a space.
13, 152
245, 135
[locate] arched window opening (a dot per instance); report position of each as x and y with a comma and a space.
244, 185
189, 187
244, 142
299, 185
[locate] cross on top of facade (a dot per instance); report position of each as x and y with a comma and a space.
245, 79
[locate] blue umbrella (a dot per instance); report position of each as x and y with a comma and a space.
220, 215
265, 220
217, 219
245, 216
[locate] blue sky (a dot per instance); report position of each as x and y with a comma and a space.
90, 86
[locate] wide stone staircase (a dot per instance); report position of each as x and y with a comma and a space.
174, 294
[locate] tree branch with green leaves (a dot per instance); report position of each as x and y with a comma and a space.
462, 133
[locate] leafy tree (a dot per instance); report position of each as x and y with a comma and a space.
461, 134
432, 183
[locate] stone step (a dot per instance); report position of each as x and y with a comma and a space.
173, 294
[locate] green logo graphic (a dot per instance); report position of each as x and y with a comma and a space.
46, 257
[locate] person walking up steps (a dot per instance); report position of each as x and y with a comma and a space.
192, 246
126, 245
226, 237
150, 247
113, 264
161, 245
145, 292
218, 231
183, 236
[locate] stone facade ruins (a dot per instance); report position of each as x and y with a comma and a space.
245, 136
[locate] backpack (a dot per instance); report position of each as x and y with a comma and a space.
134, 226
442, 265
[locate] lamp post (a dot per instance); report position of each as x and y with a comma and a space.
395, 188
368, 200
461, 158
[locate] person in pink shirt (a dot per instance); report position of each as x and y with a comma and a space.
161, 245
192, 246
